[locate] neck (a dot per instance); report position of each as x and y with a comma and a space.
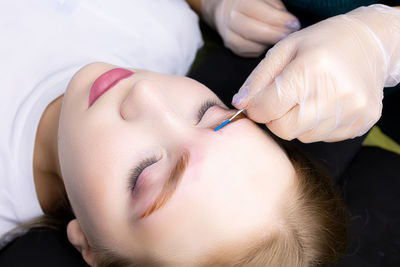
46, 168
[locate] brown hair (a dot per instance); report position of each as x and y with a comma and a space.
313, 231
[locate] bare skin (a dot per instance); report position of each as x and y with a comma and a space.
195, 5
46, 168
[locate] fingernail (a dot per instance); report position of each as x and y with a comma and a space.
293, 25
240, 96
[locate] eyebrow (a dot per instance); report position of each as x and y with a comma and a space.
170, 185
173, 180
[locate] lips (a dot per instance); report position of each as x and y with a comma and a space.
106, 81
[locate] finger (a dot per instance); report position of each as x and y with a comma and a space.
341, 134
263, 12
348, 131
338, 136
327, 112
256, 30
275, 4
276, 59
324, 119
272, 95
242, 46
320, 132
301, 119
314, 112
341, 124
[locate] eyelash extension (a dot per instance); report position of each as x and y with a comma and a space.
134, 175
204, 107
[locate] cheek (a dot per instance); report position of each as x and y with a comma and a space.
94, 185
101, 208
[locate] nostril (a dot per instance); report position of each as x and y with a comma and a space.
128, 110
121, 114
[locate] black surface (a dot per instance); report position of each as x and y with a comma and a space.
371, 188
41, 247
390, 120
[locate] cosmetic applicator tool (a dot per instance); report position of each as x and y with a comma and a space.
228, 120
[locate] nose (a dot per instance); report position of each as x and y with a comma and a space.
147, 102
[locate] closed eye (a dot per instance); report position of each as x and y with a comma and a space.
137, 170
204, 107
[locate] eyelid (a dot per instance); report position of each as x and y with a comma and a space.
137, 170
170, 185
204, 107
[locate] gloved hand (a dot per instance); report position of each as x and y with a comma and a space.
325, 82
248, 27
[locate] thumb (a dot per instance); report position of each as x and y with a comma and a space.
276, 4
275, 61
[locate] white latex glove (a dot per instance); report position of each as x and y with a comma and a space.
325, 82
248, 27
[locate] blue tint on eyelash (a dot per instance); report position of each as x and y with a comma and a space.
138, 169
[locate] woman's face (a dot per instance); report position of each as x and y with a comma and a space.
218, 187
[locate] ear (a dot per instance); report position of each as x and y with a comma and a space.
78, 238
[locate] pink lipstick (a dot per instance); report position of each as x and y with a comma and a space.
106, 81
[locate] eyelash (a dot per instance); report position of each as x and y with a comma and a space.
204, 107
139, 169
149, 161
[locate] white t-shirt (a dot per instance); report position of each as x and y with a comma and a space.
44, 42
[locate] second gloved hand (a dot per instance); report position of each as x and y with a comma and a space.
325, 82
248, 27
